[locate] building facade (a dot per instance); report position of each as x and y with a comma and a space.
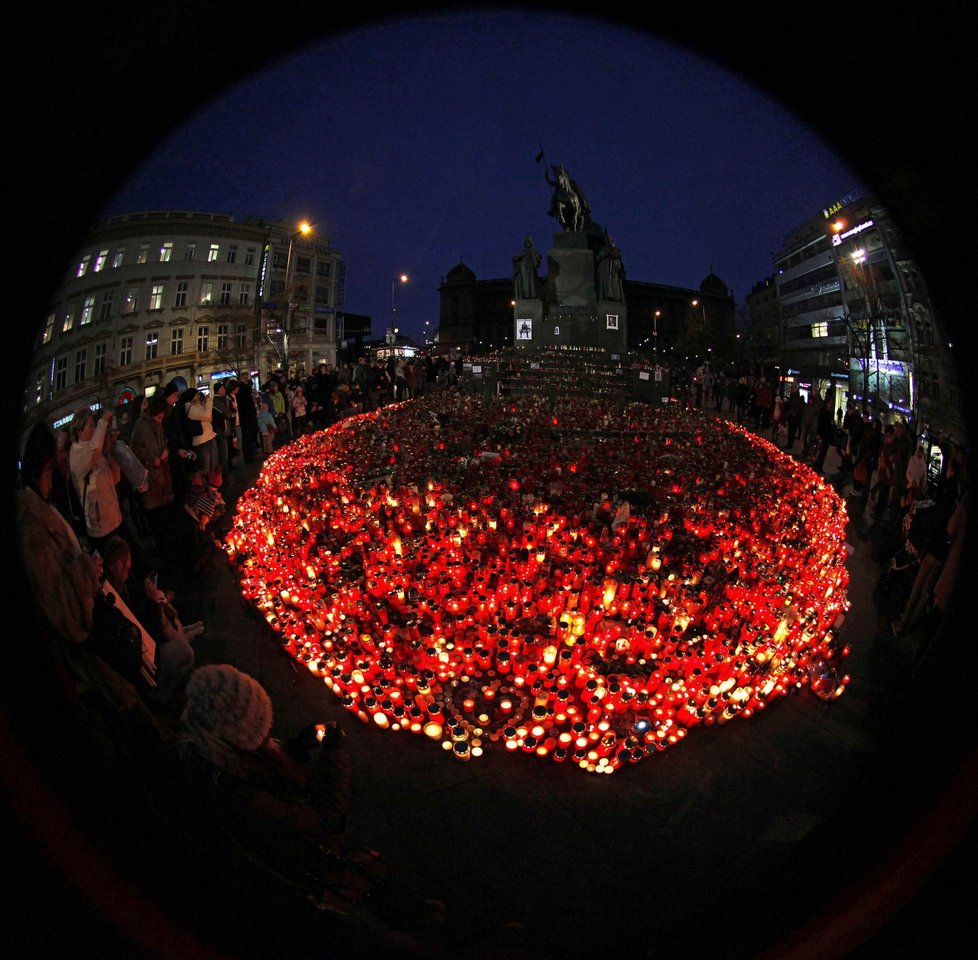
157, 296
477, 315
851, 312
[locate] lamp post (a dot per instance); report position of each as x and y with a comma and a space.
304, 228
392, 330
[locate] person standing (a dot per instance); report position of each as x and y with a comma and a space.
825, 430
248, 420
95, 474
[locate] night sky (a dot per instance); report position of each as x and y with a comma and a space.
412, 145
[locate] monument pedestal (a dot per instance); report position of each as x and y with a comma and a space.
569, 315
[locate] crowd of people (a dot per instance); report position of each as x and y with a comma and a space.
119, 523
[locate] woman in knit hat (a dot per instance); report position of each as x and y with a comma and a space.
271, 792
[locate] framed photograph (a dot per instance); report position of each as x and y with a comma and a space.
524, 329
612, 321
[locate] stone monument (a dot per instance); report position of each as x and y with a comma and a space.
581, 303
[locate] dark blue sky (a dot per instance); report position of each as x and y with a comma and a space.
412, 144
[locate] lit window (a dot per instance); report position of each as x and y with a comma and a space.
69, 320
820, 329
203, 335
176, 341
166, 251
105, 311
48, 329
250, 257
120, 255
80, 359
225, 294
88, 311
181, 298
244, 294
132, 300
125, 351
152, 345
83, 265
39, 388
61, 373
156, 297
190, 252
213, 252
206, 293
143, 254
103, 255
232, 253
99, 363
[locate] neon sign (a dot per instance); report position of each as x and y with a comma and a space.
858, 228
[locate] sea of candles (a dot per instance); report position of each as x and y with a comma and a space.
570, 578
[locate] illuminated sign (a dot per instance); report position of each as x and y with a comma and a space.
839, 204
839, 237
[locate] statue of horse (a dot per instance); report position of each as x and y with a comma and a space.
568, 205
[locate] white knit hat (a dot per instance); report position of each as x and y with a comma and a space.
225, 708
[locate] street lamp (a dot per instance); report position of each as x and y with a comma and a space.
304, 228
392, 331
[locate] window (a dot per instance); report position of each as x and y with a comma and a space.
69, 320
103, 255
303, 264
120, 255
61, 373
322, 294
190, 252
232, 253
222, 336
176, 341
225, 294
125, 351
143, 254
39, 388
180, 300
166, 251
88, 311
105, 311
322, 268
240, 336
213, 252
132, 300
244, 294
250, 257
83, 265
48, 329
80, 359
203, 335
820, 329
156, 297
152, 345
99, 363
206, 293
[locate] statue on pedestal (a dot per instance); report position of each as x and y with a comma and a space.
526, 283
568, 206
610, 272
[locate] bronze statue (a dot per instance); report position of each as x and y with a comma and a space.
568, 204
526, 283
610, 272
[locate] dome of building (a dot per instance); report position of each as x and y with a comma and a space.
460, 273
713, 284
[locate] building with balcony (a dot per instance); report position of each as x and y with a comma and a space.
157, 296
